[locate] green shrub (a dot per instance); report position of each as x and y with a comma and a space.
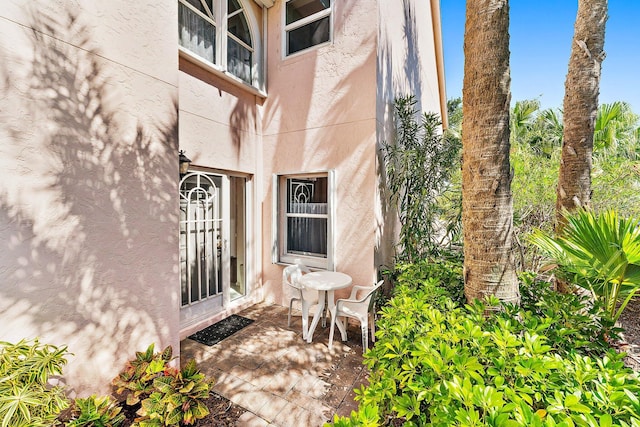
444, 365
178, 399
439, 277
94, 411
26, 398
571, 322
167, 396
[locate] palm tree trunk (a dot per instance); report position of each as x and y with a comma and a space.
580, 108
487, 209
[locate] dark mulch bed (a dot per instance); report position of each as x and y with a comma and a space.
222, 413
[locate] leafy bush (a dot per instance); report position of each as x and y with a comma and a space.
444, 365
167, 396
442, 277
178, 399
26, 398
136, 380
94, 411
571, 322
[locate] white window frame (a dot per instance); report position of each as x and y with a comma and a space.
280, 255
302, 22
220, 54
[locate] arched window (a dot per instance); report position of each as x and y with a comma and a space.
227, 43
239, 46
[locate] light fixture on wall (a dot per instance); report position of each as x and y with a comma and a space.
184, 163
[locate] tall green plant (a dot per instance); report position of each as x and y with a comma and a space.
598, 252
26, 398
418, 168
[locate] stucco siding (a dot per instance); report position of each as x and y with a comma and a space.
406, 54
88, 219
319, 116
219, 123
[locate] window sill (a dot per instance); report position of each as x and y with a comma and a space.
224, 75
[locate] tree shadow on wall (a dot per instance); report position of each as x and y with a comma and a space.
389, 88
85, 229
412, 67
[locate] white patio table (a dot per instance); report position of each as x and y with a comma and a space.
326, 282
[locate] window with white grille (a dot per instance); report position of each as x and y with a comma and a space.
304, 219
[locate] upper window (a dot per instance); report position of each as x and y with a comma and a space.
304, 219
227, 43
307, 24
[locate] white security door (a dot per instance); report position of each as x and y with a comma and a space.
204, 237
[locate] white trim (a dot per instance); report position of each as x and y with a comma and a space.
202, 15
221, 36
304, 21
331, 201
279, 200
226, 239
275, 219
240, 42
307, 20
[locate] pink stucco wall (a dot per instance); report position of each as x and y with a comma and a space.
88, 126
219, 122
320, 115
406, 55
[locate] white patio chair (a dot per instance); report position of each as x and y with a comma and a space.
307, 297
360, 306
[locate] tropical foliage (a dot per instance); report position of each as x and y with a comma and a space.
162, 394
418, 166
167, 396
96, 411
546, 363
26, 397
599, 252
615, 131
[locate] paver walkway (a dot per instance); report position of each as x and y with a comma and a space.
280, 379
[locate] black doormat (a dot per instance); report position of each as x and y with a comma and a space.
218, 331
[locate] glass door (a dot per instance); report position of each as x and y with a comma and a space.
238, 236
212, 244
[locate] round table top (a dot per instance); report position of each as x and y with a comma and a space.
326, 280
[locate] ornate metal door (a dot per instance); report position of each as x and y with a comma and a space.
203, 245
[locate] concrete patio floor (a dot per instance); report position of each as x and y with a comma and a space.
277, 377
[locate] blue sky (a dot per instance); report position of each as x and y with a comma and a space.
541, 32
